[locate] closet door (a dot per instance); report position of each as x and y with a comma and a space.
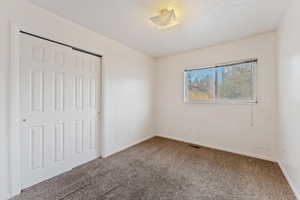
85, 106
59, 101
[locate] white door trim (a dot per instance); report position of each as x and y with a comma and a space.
14, 147
14, 137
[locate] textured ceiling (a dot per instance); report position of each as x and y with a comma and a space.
202, 22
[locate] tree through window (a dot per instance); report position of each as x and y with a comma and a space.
232, 83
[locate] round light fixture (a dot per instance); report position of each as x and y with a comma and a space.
165, 19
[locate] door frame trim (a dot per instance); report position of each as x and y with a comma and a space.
14, 114
14, 137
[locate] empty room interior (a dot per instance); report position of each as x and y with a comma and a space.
149, 100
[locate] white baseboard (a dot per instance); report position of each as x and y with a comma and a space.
127, 146
253, 155
297, 193
15, 193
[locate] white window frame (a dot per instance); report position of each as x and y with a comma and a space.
215, 99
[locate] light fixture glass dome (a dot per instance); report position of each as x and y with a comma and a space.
165, 19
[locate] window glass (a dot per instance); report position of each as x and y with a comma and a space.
235, 82
200, 84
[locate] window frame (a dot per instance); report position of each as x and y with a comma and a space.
215, 99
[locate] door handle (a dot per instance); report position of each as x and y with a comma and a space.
24, 120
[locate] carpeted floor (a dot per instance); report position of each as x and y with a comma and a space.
163, 169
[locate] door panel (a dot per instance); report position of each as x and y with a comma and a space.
58, 89
36, 147
59, 140
86, 91
59, 80
79, 136
79, 92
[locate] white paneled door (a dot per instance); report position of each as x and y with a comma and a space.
59, 108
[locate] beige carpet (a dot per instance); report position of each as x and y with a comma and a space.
163, 169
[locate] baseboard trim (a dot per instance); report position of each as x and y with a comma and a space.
11, 195
252, 155
127, 146
296, 192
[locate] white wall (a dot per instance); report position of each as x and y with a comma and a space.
220, 126
128, 78
289, 94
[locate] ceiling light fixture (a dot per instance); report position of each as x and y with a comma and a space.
165, 19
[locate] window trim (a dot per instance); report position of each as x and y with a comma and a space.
215, 100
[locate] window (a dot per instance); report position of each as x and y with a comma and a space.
223, 83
